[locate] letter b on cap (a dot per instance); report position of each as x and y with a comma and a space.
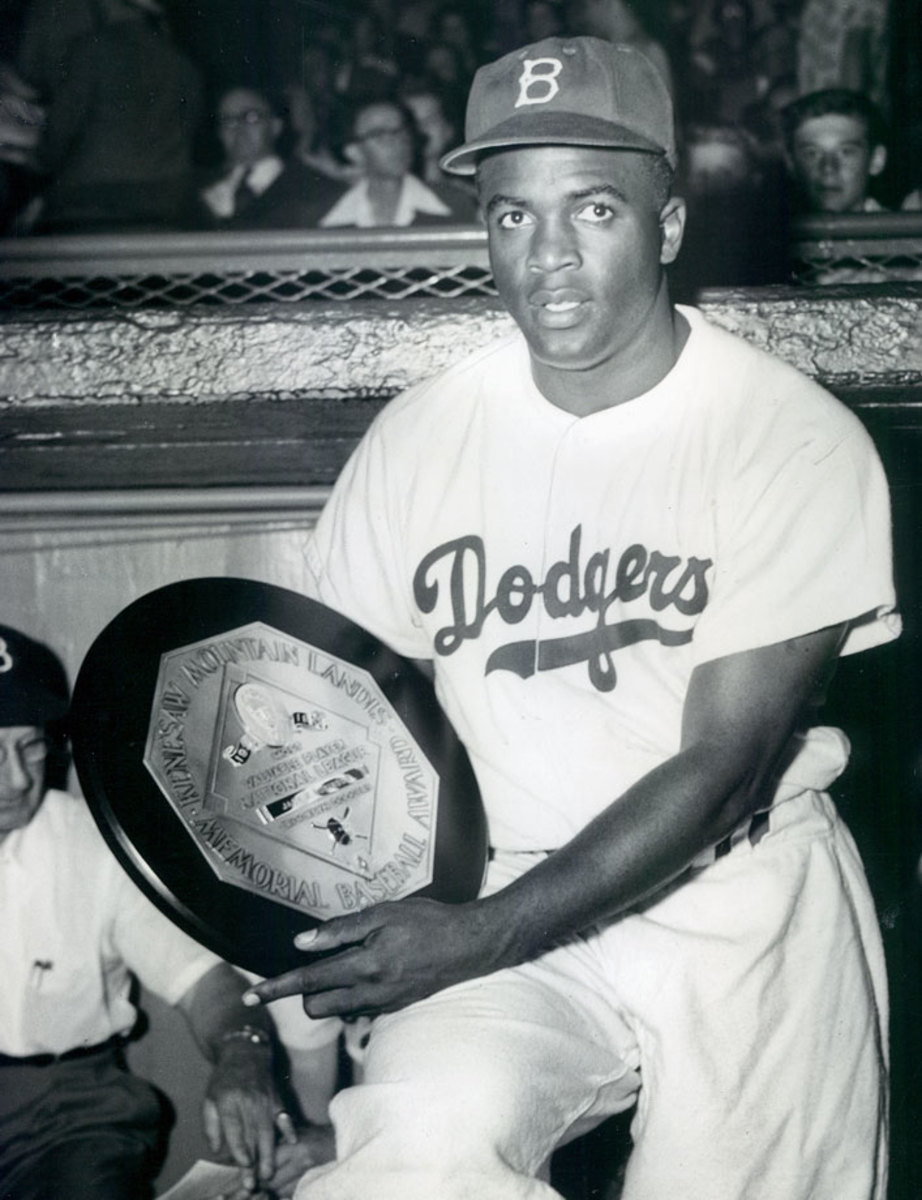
538, 81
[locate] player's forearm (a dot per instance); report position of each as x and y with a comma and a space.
739, 716
391, 955
639, 844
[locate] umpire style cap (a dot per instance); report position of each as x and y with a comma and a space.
579, 91
33, 683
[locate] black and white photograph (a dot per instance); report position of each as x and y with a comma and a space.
460, 600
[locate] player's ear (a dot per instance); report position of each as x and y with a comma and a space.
878, 160
671, 228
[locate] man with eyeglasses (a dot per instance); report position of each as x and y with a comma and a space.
385, 146
257, 188
73, 1120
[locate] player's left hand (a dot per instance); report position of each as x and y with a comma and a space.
389, 956
243, 1111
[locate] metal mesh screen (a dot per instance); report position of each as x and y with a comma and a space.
178, 270
170, 270
857, 248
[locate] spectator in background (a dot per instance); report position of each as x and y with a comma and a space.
117, 146
49, 30
844, 44
369, 71
313, 140
383, 145
774, 45
440, 130
256, 187
724, 77
452, 27
410, 34
414, 18
836, 147
313, 146
313, 112
619, 21
22, 120
442, 64
543, 19
763, 120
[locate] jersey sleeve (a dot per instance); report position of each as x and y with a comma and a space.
803, 542
356, 556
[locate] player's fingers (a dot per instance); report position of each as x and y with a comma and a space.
341, 1002
292, 983
340, 931
343, 931
340, 970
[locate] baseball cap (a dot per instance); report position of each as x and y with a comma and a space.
579, 91
33, 683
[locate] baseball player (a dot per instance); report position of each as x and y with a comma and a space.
632, 548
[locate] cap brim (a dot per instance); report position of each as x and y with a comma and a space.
550, 129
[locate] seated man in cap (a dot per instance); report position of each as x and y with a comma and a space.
632, 547
73, 1121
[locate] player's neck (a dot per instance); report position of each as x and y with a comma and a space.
643, 363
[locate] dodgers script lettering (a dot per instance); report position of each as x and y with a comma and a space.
570, 588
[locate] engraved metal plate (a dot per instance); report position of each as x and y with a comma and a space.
291, 772
259, 763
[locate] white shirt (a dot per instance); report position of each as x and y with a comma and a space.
74, 928
220, 196
355, 209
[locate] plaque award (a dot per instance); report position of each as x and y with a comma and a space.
260, 764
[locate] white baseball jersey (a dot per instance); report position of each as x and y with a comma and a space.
567, 574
